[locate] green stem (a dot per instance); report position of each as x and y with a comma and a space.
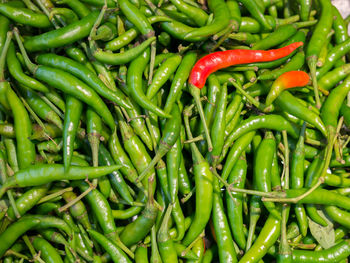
30, 65
93, 45
3, 55
312, 66
195, 92
54, 195
253, 101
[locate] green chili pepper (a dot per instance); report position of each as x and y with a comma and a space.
297, 180
336, 253
198, 15
138, 229
267, 237
66, 13
262, 169
223, 234
125, 57
165, 243
84, 74
317, 40
45, 173
166, 69
134, 81
23, 130
255, 122
24, 16
235, 206
16, 72
79, 8
71, 122
103, 212
171, 132
203, 180
62, 36
221, 20
113, 250
115, 177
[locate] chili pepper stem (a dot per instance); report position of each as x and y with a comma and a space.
286, 159
303, 246
13, 203
154, 161
52, 106
256, 103
10, 252
47, 13
195, 92
188, 196
93, 45
31, 248
75, 200
240, 190
195, 139
151, 63
312, 66
226, 34
4, 53
54, 195
185, 251
30, 65
32, 113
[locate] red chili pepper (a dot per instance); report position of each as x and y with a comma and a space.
291, 79
223, 59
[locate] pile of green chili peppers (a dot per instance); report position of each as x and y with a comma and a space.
109, 154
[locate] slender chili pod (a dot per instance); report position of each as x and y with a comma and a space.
287, 102
317, 40
297, 179
113, 250
23, 130
136, 17
71, 123
69, 84
116, 179
220, 21
165, 243
138, 229
17, 73
203, 180
274, 122
48, 252
267, 237
171, 132
235, 206
84, 74
134, 82
180, 79
14, 231
226, 249
336, 253
62, 36
24, 16
291, 79
45, 173
125, 57
262, 169
222, 59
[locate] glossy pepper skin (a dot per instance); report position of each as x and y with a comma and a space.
62, 36
223, 59
290, 79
